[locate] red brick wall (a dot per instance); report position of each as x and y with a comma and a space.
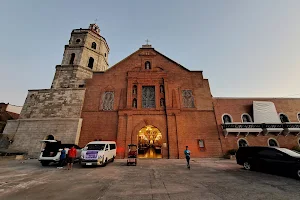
198, 125
179, 126
236, 107
98, 125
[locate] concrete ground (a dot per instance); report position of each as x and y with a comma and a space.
150, 179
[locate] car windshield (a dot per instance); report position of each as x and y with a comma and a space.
95, 147
289, 152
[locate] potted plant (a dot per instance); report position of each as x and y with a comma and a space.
230, 154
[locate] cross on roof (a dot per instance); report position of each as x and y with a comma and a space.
147, 41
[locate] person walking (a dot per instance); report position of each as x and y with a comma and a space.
62, 158
71, 157
187, 154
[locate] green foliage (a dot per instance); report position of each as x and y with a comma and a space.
296, 148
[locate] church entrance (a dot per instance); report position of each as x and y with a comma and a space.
149, 142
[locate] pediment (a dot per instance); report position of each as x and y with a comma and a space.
144, 54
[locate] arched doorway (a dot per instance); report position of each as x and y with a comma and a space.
149, 142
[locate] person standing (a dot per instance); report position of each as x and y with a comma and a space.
62, 158
71, 157
187, 154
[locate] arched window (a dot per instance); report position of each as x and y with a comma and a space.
105, 54
134, 103
78, 40
272, 142
49, 137
134, 89
298, 115
94, 45
162, 102
283, 118
91, 63
242, 142
161, 89
72, 58
226, 119
147, 65
246, 117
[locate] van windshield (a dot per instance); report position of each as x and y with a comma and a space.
95, 147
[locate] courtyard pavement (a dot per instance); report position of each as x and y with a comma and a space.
150, 179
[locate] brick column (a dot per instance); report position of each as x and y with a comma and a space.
172, 136
121, 136
128, 134
139, 96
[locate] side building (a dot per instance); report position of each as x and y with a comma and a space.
8, 112
258, 122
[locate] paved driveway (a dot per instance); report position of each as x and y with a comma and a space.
150, 179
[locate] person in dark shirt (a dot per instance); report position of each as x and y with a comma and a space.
62, 158
187, 154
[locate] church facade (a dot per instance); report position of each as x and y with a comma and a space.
149, 100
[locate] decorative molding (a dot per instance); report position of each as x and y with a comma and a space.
188, 99
108, 101
147, 53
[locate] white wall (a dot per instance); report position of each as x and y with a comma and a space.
14, 109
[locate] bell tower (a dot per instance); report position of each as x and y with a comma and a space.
87, 52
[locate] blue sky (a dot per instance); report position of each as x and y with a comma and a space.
245, 48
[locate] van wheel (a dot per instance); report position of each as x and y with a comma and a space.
45, 163
247, 166
113, 159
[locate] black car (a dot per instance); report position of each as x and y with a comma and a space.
269, 159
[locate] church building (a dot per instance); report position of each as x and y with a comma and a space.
149, 100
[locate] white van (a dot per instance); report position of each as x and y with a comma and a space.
98, 153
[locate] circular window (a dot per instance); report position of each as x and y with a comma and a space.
78, 40
242, 143
273, 143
